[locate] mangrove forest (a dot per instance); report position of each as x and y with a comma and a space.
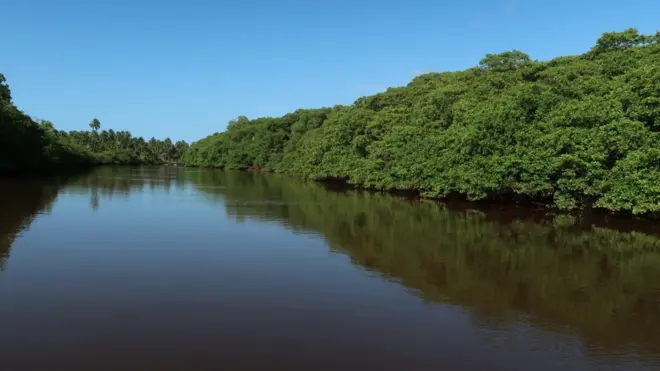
573, 132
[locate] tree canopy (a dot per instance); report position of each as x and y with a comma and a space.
571, 132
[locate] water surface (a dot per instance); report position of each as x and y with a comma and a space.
189, 269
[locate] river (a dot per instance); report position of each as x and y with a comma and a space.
192, 269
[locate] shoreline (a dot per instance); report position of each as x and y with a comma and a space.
461, 201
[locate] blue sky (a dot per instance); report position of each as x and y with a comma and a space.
182, 69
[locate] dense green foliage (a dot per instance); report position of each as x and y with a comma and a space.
572, 132
27, 147
31, 147
120, 147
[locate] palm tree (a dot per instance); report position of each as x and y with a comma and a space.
95, 124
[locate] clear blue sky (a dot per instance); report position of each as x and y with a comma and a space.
182, 69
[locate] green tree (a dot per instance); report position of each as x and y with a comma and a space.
48, 126
5, 93
610, 41
505, 61
95, 124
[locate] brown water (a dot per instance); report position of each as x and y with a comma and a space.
187, 269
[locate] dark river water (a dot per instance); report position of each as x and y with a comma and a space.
189, 269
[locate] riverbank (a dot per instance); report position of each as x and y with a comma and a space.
457, 201
572, 133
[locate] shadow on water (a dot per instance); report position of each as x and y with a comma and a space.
597, 278
592, 276
22, 201
109, 182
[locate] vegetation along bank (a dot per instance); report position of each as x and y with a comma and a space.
30, 147
576, 131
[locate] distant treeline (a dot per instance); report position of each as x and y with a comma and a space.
573, 132
121, 147
37, 147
